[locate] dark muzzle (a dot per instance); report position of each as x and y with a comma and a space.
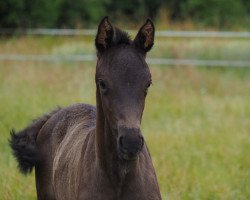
130, 143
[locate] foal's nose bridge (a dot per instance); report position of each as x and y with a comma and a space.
123, 130
130, 123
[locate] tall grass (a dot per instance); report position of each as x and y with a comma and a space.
196, 120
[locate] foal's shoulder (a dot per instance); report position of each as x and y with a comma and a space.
73, 114
76, 116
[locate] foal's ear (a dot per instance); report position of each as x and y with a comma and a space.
104, 35
144, 39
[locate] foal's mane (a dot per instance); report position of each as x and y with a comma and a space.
120, 37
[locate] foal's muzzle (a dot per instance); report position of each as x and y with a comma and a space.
130, 143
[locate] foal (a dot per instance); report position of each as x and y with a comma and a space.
88, 153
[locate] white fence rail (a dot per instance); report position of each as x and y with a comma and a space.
92, 32
153, 61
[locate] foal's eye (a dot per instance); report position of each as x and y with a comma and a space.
103, 86
147, 86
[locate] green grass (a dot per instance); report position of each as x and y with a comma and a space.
196, 120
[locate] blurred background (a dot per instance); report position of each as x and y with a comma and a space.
184, 14
197, 115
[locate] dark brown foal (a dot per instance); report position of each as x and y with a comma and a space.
88, 153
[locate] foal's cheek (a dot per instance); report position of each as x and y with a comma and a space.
107, 105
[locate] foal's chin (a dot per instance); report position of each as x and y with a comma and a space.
128, 156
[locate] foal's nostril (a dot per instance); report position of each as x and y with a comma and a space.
122, 145
121, 141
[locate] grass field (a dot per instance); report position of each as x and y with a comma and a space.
196, 120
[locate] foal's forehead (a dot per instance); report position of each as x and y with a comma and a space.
126, 62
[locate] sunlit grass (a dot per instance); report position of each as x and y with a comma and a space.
196, 120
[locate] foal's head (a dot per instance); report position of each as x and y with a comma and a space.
123, 79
